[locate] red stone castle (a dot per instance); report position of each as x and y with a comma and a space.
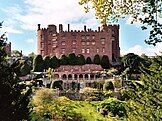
104, 41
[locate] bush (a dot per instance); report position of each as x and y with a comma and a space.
114, 106
38, 64
108, 94
108, 85
105, 62
91, 94
96, 59
88, 60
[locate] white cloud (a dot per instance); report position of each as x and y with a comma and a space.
30, 41
11, 29
52, 12
149, 50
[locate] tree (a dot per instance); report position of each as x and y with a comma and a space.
38, 64
96, 59
14, 94
146, 12
16, 53
46, 60
64, 60
145, 101
88, 60
25, 69
54, 62
72, 59
132, 63
105, 62
81, 59
31, 56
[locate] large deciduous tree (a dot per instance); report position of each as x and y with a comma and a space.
147, 12
14, 95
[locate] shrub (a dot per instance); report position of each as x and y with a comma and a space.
114, 106
108, 85
96, 59
91, 94
88, 60
105, 62
38, 64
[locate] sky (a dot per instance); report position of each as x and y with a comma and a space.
22, 16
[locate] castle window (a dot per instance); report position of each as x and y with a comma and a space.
42, 52
97, 50
74, 50
63, 43
42, 45
63, 50
93, 37
88, 50
83, 50
113, 39
87, 37
87, 43
102, 41
93, 43
83, 43
83, 37
74, 42
103, 50
42, 37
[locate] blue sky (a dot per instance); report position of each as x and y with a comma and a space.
22, 16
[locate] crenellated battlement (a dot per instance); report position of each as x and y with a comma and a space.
53, 27
55, 40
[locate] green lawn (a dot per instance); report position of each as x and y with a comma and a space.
88, 110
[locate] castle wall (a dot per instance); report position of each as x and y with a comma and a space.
104, 41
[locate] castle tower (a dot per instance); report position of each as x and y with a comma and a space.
104, 41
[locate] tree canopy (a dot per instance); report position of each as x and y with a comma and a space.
146, 12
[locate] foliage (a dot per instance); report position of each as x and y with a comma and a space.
72, 58
88, 60
54, 62
81, 59
58, 84
146, 12
105, 62
132, 63
14, 95
112, 71
16, 53
96, 59
108, 85
145, 100
25, 69
46, 105
91, 94
64, 60
38, 64
46, 60
108, 94
114, 106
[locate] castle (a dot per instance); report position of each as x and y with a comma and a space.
104, 41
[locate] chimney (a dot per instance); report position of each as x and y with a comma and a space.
39, 26
84, 28
68, 27
60, 28
99, 29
